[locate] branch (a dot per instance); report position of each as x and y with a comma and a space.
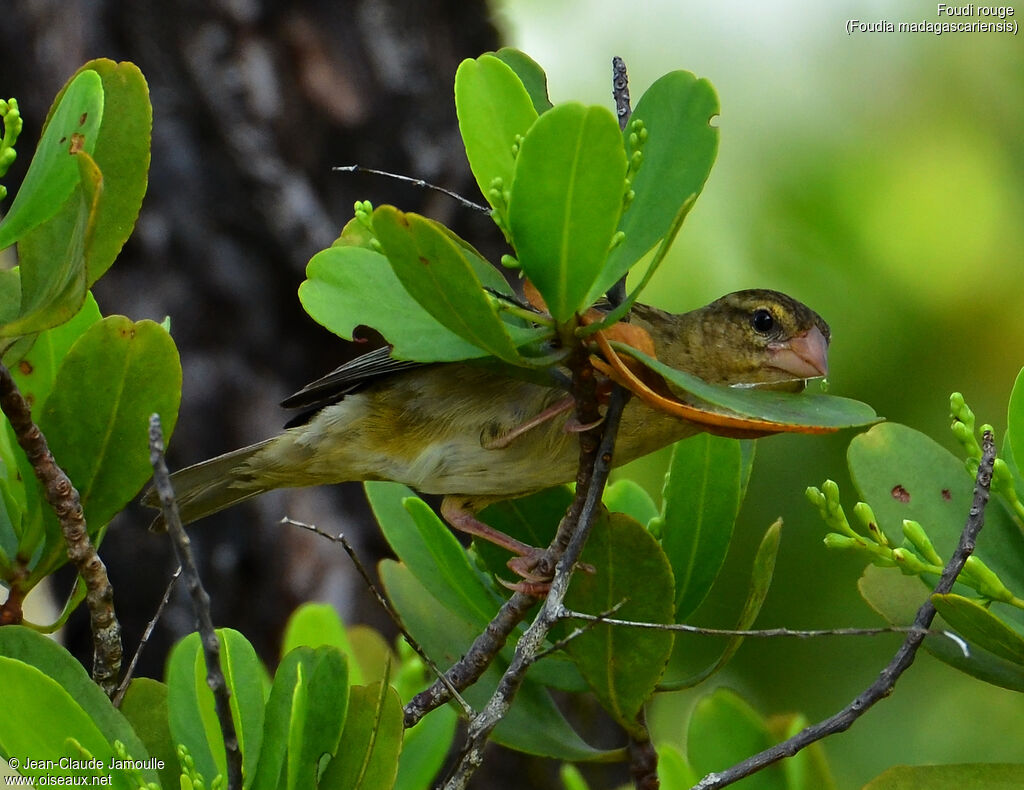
144, 640
388, 609
200, 602
419, 182
63, 497
904, 657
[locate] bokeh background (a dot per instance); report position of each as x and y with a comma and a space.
878, 177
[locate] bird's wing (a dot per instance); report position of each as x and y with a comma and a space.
345, 379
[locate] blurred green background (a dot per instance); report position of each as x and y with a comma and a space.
879, 178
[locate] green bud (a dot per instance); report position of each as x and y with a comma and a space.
636, 160
634, 139
833, 540
656, 526
375, 245
909, 563
617, 238
918, 538
866, 516
509, 262
815, 497
986, 581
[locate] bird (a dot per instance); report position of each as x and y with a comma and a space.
477, 436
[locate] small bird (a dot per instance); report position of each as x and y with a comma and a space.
477, 436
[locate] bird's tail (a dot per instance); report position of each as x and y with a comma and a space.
211, 486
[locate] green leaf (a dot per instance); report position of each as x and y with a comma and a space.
565, 202
145, 707
533, 724
724, 730
367, 758
41, 719
191, 711
965, 776
113, 378
429, 549
629, 497
122, 154
980, 626
760, 581
25, 645
439, 276
673, 770
424, 749
304, 717
897, 598
530, 74
493, 109
622, 665
52, 258
677, 157
1015, 416
701, 501
35, 369
53, 173
347, 287
903, 474
789, 409
316, 624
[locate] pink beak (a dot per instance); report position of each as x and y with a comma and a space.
805, 356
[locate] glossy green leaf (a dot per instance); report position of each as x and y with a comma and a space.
1015, 418
35, 369
701, 499
53, 173
304, 717
622, 665
28, 646
122, 154
813, 410
191, 712
347, 287
530, 74
678, 154
565, 202
40, 717
533, 724
429, 549
371, 657
904, 474
673, 770
316, 624
493, 109
963, 776
367, 758
760, 581
980, 626
725, 730
629, 497
897, 598
112, 379
425, 748
439, 276
53, 258
145, 707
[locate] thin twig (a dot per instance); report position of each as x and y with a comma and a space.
569, 614
63, 497
144, 640
901, 661
530, 645
200, 602
415, 182
388, 609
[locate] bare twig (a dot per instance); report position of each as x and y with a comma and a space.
415, 182
389, 610
63, 497
901, 661
144, 640
200, 602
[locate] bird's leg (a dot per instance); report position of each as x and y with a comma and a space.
503, 441
454, 510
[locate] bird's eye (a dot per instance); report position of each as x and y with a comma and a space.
763, 321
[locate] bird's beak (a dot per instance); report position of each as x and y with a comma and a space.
805, 356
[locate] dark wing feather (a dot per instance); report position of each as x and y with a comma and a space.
350, 377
